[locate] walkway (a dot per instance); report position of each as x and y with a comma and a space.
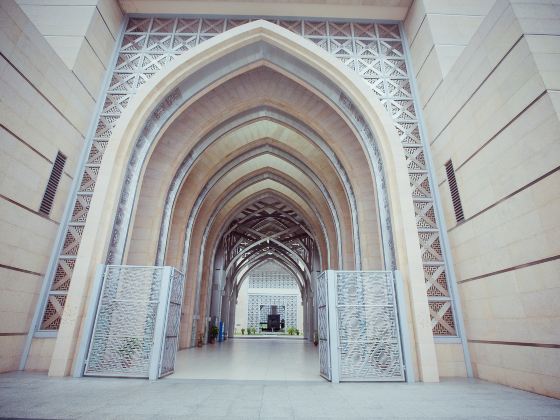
257, 358
38, 396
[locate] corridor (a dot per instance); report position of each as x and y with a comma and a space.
256, 358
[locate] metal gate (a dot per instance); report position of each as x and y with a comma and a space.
136, 327
359, 338
323, 326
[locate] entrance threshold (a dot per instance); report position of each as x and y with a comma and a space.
261, 358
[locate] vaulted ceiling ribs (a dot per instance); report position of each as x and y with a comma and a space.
267, 229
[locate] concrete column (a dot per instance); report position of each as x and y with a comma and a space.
305, 315
225, 312
218, 283
231, 325
312, 309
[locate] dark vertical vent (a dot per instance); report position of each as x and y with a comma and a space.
54, 179
455, 198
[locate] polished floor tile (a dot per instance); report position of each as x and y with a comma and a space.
265, 359
260, 379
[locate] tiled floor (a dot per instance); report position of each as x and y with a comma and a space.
28, 395
283, 393
258, 358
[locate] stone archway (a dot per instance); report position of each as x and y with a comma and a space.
195, 74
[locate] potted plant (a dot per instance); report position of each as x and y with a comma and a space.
315, 338
214, 332
242, 331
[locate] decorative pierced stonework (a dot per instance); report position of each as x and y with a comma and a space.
260, 306
53, 312
272, 276
440, 311
373, 50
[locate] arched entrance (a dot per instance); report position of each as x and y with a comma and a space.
184, 163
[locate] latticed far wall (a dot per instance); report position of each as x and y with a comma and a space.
272, 277
375, 51
260, 306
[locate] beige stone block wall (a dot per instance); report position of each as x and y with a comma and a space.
44, 108
11, 349
40, 354
438, 31
82, 32
496, 115
450, 360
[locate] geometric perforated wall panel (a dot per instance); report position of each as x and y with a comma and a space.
373, 50
124, 329
171, 340
368, 332
126, 340
323, 326
260, 306
271, 275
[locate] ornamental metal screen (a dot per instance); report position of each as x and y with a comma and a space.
358, 327
368, 332
171, 340
323, 326
137, 323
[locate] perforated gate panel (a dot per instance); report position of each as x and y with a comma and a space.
323, 326
125, 340
368, 332
171, 342
357, 311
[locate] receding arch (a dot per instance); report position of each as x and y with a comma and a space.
208, 237
265, 150
263, 224
145, 141
242, 119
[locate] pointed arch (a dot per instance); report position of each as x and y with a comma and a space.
190, 76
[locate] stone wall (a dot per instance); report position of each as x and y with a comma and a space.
494, 111
45, 107
81, 32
